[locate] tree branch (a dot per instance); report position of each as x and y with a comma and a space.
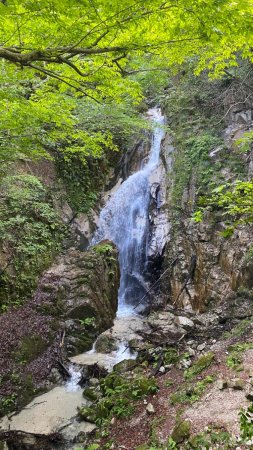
57, 77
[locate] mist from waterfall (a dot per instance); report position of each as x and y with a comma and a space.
124, 220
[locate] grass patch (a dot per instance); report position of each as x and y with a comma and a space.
235, 358
239, 329
191, 393
215, 437
201, 364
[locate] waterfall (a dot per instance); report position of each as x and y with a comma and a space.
124, 220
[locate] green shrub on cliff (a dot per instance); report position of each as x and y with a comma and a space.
30, 234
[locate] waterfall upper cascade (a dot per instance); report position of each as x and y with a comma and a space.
124, 220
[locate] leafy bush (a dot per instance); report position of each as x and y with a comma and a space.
119, 393
246, 422
235, 358
31, 233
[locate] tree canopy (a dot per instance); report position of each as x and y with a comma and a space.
56, 54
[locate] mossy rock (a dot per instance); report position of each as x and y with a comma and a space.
87, 414
181, 431
91, 394
125, 365
105, 344
201, 364
30, 348
79, 343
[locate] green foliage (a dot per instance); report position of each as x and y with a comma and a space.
82, 180
191, 393
192, 113
154, 441
214, 437
201, 364
246, 422
239, 329
233, 201
170, 356
87, 321
30, 231
235, 358
7, 402
119, 393
248, 259
103, 248
171, 444
58, 57
169, 382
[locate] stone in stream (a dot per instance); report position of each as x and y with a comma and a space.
105, 344
125, 365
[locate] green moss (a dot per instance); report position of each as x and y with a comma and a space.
236, 352
214, 437
83, 180
103, 248
181, 431
91, 394
201, 364
192, 392
239, 329
30, 348
105, 344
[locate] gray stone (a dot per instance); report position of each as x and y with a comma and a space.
191, 352
94, 381
201, 347
222, 384
162, 369
249, 393
186, 363
150, 409
168, 366
105, 344
237, 383
184, 322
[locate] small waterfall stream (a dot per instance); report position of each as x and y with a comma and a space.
124, 220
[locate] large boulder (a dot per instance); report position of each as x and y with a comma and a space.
85, 288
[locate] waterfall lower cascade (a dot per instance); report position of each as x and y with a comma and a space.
124, 221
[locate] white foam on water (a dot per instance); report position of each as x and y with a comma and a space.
72, 383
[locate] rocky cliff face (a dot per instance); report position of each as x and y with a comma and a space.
86, 286
206, 268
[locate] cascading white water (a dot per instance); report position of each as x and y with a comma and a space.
124, 221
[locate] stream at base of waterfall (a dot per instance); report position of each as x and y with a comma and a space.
125, 221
